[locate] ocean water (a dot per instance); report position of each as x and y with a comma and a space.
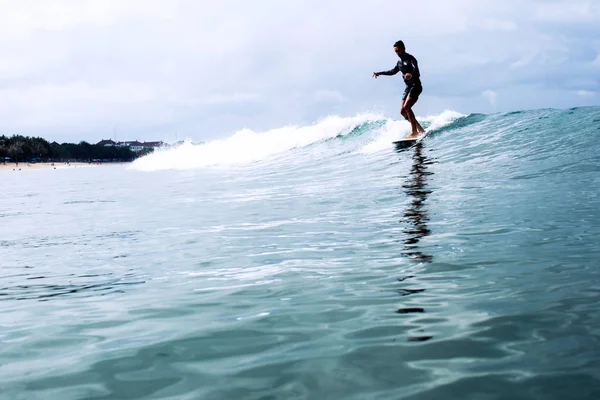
314, 262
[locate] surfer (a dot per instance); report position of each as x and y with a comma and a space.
409, 68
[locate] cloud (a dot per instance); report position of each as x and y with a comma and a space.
585, 93
491, 96
77, 92
231, 98
491, 24
567, 11
78, 67
25, 18
328, 96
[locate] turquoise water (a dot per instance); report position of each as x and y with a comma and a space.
313, 262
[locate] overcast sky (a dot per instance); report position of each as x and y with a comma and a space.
75, 70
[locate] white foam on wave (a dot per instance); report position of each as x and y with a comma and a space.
246, 146
395, 130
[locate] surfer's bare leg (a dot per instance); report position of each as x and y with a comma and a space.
414, 124
412, 103
403, 111
419, 127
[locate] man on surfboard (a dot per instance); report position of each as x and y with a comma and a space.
409, 68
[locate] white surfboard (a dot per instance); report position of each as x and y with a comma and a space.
406, 143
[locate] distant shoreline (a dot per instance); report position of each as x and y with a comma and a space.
21, 166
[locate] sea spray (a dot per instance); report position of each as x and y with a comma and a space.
398, 129
246, 146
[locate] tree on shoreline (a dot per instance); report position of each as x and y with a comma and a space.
31, 149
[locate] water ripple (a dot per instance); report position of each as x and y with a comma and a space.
464, 267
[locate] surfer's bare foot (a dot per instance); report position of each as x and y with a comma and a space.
413, 135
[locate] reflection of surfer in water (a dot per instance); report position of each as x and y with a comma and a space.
415, 215
416, 218
409, 68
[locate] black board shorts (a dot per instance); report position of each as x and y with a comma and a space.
413, 91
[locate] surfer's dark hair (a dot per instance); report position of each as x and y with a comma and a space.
399, 44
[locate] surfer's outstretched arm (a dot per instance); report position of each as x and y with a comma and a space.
392, 71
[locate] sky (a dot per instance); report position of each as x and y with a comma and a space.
74, 70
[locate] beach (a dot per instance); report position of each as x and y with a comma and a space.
22, 166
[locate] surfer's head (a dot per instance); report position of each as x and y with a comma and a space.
399, 47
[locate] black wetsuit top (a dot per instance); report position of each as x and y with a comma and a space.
406, 63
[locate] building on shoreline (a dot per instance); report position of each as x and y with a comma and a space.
135, 146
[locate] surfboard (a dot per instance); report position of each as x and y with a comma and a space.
406, 143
